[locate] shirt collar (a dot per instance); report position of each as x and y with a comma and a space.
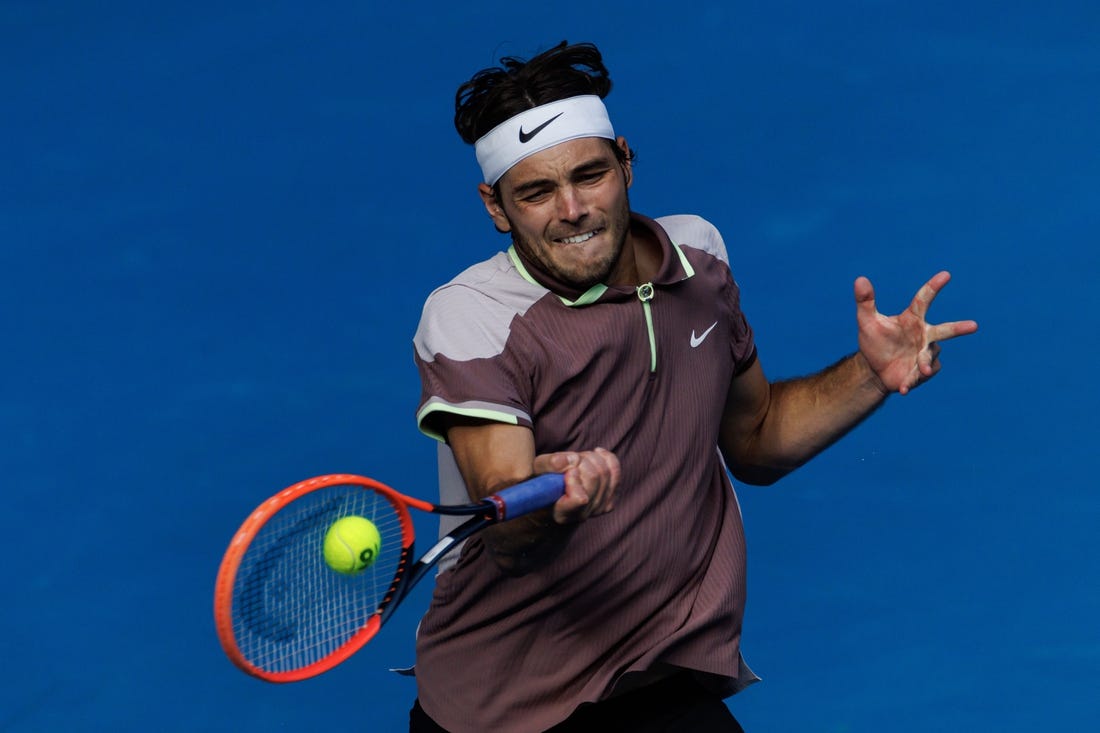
674, 268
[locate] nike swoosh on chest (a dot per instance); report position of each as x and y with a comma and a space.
696, 340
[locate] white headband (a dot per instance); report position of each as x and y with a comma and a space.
540, 128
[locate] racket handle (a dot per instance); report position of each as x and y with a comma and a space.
528, 496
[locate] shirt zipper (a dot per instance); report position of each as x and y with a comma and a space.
645, 294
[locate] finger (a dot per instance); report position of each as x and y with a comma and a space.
598, 471
570, 507
573, 503
924, 361
615, 470
590, 484
936, 364
952, 329
928, 370
928, 361
610, 472
928, 292
555, 462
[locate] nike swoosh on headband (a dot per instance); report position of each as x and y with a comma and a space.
526, 136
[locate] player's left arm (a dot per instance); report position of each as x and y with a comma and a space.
771, 428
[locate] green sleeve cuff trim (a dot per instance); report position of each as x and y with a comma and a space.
483, 414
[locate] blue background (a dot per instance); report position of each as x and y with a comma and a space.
218, 222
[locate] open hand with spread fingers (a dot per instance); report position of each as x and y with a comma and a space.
903, 350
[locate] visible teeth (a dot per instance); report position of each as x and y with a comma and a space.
579, 238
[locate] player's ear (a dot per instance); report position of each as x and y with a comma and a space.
492, 205
628, 167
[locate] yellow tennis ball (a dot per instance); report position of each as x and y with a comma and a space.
352, 544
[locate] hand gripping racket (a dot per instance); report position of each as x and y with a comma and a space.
284, 615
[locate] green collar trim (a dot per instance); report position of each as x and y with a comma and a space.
689, 271
587, 298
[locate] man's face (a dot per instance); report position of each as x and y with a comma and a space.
567, 208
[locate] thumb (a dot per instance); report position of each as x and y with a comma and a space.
555, 462
865, 296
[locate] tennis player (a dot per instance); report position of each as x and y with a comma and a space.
612, 347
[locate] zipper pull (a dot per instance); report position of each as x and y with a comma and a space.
645, 292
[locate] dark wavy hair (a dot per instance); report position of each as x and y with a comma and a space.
499, 93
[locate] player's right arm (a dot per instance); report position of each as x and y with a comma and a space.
492, 456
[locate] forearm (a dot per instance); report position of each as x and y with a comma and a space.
493, 456
801, 417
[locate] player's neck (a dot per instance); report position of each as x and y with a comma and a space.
640, 259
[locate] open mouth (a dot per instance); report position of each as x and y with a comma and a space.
579, 238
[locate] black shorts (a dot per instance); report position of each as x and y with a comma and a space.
677, 704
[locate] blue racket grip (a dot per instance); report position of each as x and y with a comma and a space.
528, 496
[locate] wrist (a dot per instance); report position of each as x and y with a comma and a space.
870, 378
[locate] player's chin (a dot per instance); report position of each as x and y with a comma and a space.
586, 279
587, 269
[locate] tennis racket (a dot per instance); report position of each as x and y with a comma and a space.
283, 615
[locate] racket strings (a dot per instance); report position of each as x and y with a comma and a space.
290, 608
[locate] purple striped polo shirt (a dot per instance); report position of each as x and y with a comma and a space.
659, 581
